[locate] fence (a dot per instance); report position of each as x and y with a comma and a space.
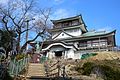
55, 70
43, 59
3, 69
15, 67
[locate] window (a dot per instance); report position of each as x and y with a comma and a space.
62, 34
75, 30
103, 43
89, 44
65, 24
82, 44
58, 25
95, 44
75, 22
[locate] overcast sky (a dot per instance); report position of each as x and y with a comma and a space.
97, 14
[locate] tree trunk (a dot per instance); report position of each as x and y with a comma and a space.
18, 44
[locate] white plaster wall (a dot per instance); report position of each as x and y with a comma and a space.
70, 54
77, 56
47, 55
57, 48
65, 57
62, 36
51, 54
67, 54
74, 32
76, 44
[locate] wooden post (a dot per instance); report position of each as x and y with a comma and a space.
58, 66
99, 43
64, 71
46, 68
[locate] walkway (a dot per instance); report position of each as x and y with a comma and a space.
36, 70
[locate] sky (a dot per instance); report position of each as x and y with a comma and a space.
97, 14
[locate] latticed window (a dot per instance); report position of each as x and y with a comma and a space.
82, 44
75, 22
66, 24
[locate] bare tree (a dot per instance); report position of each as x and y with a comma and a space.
18, 14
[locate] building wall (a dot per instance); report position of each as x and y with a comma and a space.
68, 33
65, 54
62, 36
93, 43
70, 53
97, 43
74, 32
51, 54
68, 23
77, 55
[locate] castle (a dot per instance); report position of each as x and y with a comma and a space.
70, 39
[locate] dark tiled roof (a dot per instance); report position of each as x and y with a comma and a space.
96, 33
87, 35
66, 19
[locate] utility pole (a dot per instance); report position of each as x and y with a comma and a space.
27, 33
27, 21
0, 36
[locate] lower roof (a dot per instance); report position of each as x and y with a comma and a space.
87, 35
96, 33
67, 46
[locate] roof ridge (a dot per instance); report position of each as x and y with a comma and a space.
67, 17
57, 35
99, 31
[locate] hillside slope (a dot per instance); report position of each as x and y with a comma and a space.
106, 56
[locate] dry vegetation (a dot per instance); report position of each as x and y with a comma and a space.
106, 56
111, 60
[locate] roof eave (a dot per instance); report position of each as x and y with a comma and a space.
65, 19
84, 37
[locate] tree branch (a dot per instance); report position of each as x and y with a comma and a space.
24, 46
5, 23
27, 8
26, 30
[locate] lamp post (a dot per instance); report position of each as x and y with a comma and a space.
27, 21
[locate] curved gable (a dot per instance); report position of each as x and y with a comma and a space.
54, 44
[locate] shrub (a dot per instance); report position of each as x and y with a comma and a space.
87, 55
87, 68
108, 71
77, 68
20, 56
7, 77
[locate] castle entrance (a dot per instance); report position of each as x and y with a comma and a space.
58, 53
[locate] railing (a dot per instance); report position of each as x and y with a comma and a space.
3, 69
16, 66
43, 59
13, 67
101, 48
55, 70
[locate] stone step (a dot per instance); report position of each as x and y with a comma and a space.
36, 69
